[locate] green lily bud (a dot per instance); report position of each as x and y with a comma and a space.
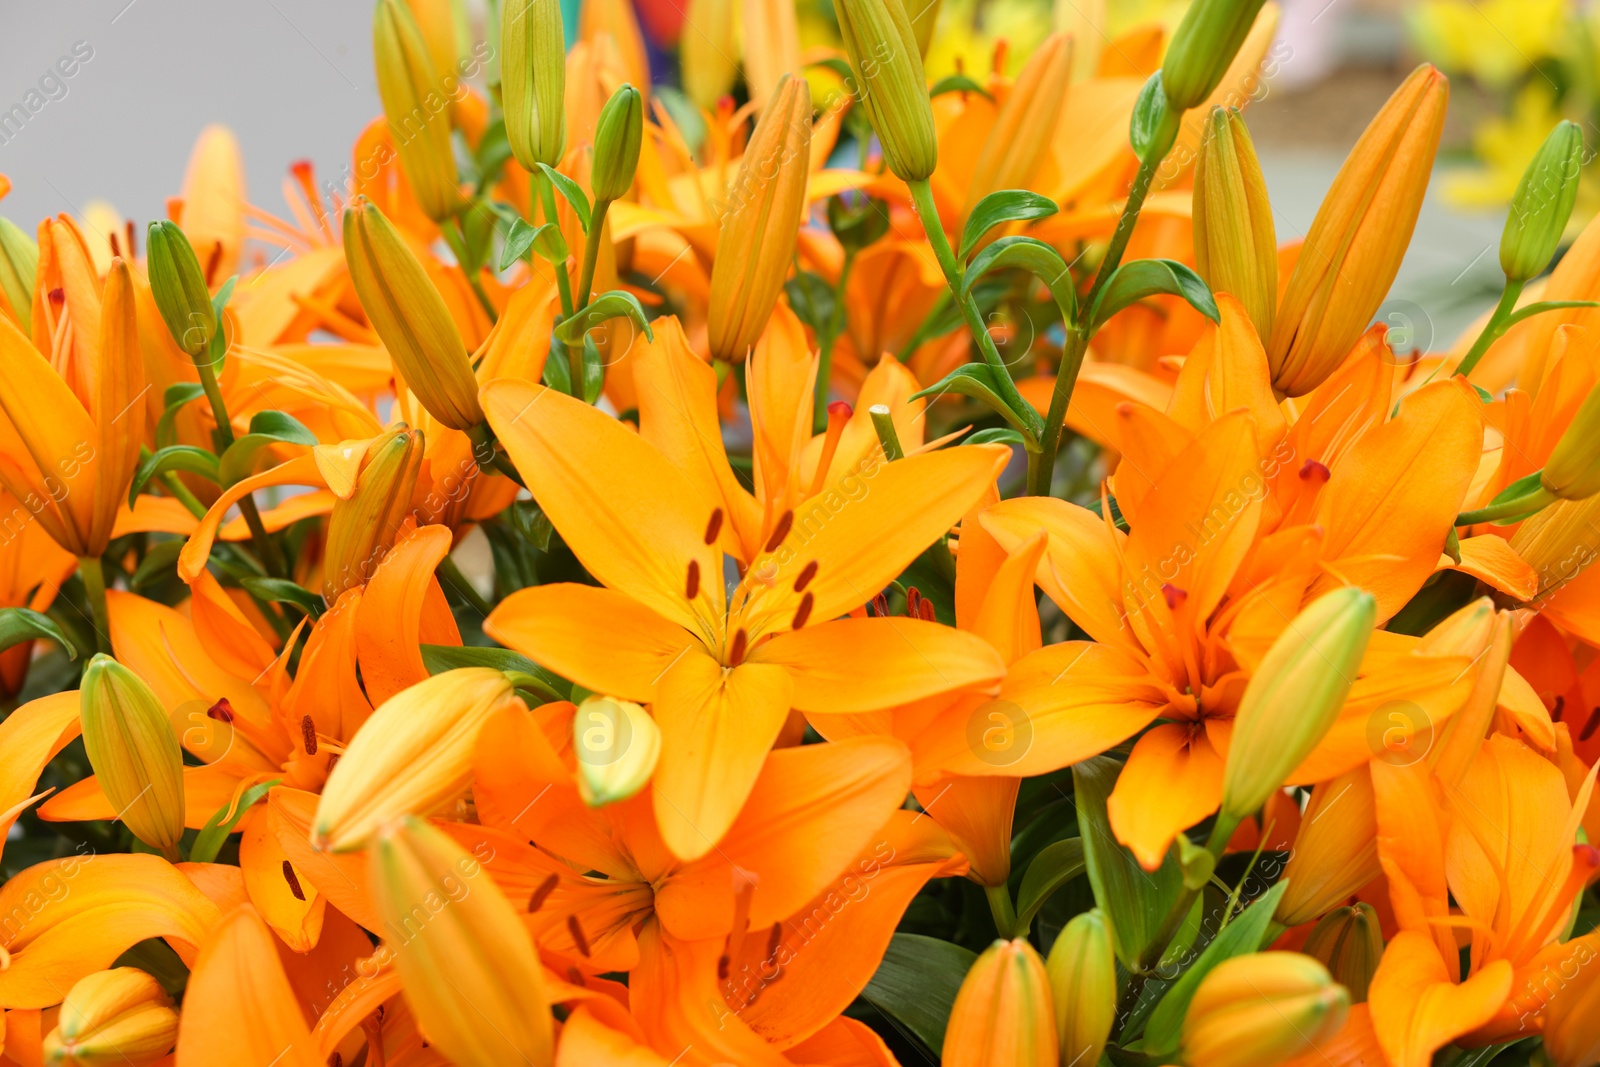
134, 752
1235, 242
533, 81
1573, 469
617, 134
1202, 48
1083, 986
417, 104
19, 264
1348, 942
179, 287
889, 80
1542, 204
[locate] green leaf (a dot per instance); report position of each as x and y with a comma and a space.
173, 401
1154, 127
546, 240
917, 982
441, 658
281, 426
1135, 900
1542, 306
173, 458
977, 381
531, 524
958, 83
1007, 205
24, 624
594, 370
613, 305
1142, 278
570, 192
1034, 256
1054, 866
557, 373
1001, 435
212, 835
811, 298
283, 591
1241, 936
266, 428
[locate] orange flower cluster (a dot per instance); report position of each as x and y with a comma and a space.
879, 574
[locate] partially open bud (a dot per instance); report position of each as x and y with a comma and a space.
19, 264
1235, 242
1203, 46
416, 102
617, 744
120, 1016
1022, 132
1336, 850
1572, 1017
1559, 543
617, 136
887, 61
410, 317
1354, 248
1083, 985
1294, 696
413, 755
1348, 942
1573, 470
533, 81
762, 222
362, 529
1542, 204
1262, 1009
465, 960
134, 752
179, 287
1002, 1015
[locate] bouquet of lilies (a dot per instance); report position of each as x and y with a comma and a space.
883, 573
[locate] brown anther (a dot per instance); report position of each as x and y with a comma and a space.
914, 602
222, 711
879, 607
714, 527
774, 940
332, 759
1555, 712
925, 611
575, 976
577, 936
779, 532
308, 734
335, 1060
541, 894
116, 246
692, 588
736, 653
808, 572
133, 249
1590, 726
724, 965
294, 882
803, 612
1312, 471
1174, 596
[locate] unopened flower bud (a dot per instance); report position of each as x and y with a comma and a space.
413, 755
1235, 242
1542, 204
465, 960
533, 81
1002, 1015
1348, 942
410, 317
1083, 985
708, 52
1559, 543
1335, 851
1203, 46
617, 744
1262, 1009
762, 223
1572, 1016
134, 752
19, 265
617, 136
887, 61
120, 1016
179, 288
416, 102
1294, 696
1021, 136
1573, 470
362, 528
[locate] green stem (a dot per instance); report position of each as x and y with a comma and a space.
176, 487
457, 240
547, 197
883, 422
93, 573
266, 549
1508, 509
1221, 831
1494, 328
1042, 464
591, 251
835, 327
1004, 912
928, 212
1125, 224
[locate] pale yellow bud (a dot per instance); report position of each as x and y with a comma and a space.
362, 529
617, 744
1235, 243
1083, 984
416, 101
116, 1017
1262, 1009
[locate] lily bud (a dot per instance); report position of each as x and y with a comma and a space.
1235, 242
708, 49
923, 23
410, 317
120, 1016
1020, 138
413, 755
1002, 1015
465, 960
762, 223
1572, 1018
1294, 696
179, 287
134, 752
1573, 470
887, 61
19, 265
1348, 942
771, 35
617, 136
1083, 985
1262, 1009
1336, 851
417, 104
617, 744
1202, 48
362, 529
1353, 250
1542, 204
533, 81
1559, 542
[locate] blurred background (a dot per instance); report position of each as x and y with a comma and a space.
101, 100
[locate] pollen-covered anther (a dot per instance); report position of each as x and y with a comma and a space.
808, 572
803, 612
1174, 596
308, 734
714, 527
736, 652
1313, 471
542, 893
294, 882
691, 588
779, 532
578, 939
